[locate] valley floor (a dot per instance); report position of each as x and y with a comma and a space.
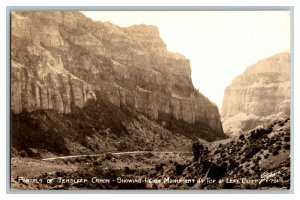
258, 159
105, 171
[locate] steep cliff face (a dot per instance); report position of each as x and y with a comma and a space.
263, 89
258, 96
60, 59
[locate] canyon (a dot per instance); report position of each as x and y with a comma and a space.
91, 99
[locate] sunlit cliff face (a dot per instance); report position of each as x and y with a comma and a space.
263, 89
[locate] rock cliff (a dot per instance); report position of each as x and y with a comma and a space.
63, 59
263, 89
258, 96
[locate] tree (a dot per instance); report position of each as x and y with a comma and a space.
197, 150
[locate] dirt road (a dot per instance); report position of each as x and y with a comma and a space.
118, 153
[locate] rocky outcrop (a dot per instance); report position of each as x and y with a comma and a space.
260, 95
263, 89
61, 59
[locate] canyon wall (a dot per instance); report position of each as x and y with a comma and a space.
263, 89
259, 96
63, 59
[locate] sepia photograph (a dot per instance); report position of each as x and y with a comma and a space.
150, 100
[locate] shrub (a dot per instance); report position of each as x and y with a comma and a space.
179, 169
242, 137
158, 168
252, 152
127, 170
287, 147
258, 158
108, 156
266, 156
275, 153
286, 138
22, 153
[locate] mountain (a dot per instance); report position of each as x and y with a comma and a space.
261, 94
91, 78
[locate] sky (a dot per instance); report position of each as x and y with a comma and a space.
219, 44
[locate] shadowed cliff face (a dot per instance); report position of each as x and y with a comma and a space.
264, 89
61, 59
